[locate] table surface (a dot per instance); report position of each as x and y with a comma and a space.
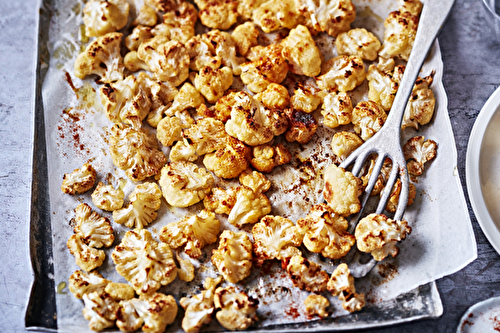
471, 74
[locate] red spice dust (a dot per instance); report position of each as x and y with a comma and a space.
292, 311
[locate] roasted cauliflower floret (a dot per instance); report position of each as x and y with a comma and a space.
161, 95
255, 180
233, 257
186, 267
337, 109
342, 190
421, 104
249, 207
274, 15
377, 234
146, 17
136, 152
399, 35
245, 36
101, 57
275, 96
306, 98
100, 310
81, 283
237, 310
212, 83
382, 87
412, 6
103, 16
418, 151
133, 63
187, 97
218, 14
163, 5
144, 201
392, 204
358, 42
247, 7
331, 16
139, 34
169, 129
230, 160
307, 275
343, 144
80, 180
341, 284
199, 308
368, 118
382, 178
220, 201
302, 126
193, 232
201, 54
224, 47
106, 197
86, 257
96, 231
120, 291
178, 24
317, 305
301, 52
144, 263
276, 237
221, 110
342, 73
266, 157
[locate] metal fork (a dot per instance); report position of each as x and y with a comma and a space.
387, 142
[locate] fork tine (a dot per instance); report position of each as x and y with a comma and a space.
403, 195
386, 192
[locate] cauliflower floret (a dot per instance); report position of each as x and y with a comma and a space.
382, 178
220, 201
100, 310
81, 283
138, 35
342, 190
146, 17
276, 237
332, 16
186, 267
193, 232
342, 73
199, 308
393, 202
183, 184
102, 57
419, 151
316, 305
161, 95
307, 275
249, 207
274, 15
103, 16
306, 98
144, 201
96, 231
382, 87
201, 54
233, 257
255, 180
266, 157
169, 129
178, 24
133, 63
230, 160
301, 52
245, 36
302, 126
163, 5
80, 180
275, 96
221, 110
247, 7
341, 284
218, 14
144, 263
224, 47
412, 6
368, 118
212, 83
86, 257
107, 198
399, 35
237, 309
421, 104
343, 144
136, 152
153, 312
187, 97
326, 232
377, 234
167, 59
120, 291
337, 109
358, 42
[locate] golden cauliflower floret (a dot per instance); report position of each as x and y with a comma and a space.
86, 257
133, 63
382, 178
417, 152
412, 6
221, 110
81, 283
255, 180
100, 310
237, 310
136, 152
420, 108
144, 263
342, 190
193, 233
102, 57
103, 16
301, 52
218, 14
377, 234
161, 95
198, 309
341, 284
120, 291
163, 5
169, 129
80, 180
201, 54
224, 47
185, 271
306, 275
317, 305
275, 96
331, 16
326, 232
342, 73
274, 15
233, 257
276, 237
220, 201
230, 160
106, 197
187, 97
145, 17
178, 24
167, 59
344, 143
302, 126
138, 35
183, 184
151, 312
144, 201
337, 109
358, 42
399, 35
212, 83
306, 98
249, 207
368, 118
266, 157
392, 204
247, 7
245, 36
382, 87
96, 231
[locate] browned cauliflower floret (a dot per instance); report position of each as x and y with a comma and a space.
275, 96
120, 291
342, 190
86, 257
317, 305
96, 231
412, 6
138, 35
307, 275
377, 234
342, 73
383, 87
136, 152
418, 151
233, 257
102, 57
245, 36
106, 197
237, 310
133, 63
230, 160
274, 15
255, 180
80, 180
163, 5
343, 144
161, 95
247, 7
151, 312
218, 14
421, 104
199, 308
144, 201
301, 52
276, 237
103, 16
224, 47
392, 204
221, 110
358, 42
146, 17
266, 157
178, 24
212, 83
169, 129
184, 184
201, 54
382, 178
337, 109
306, 98
81, 283
368, 118
399, 35
187, 97
144, 263
220, 201
249, 207
193, 232
326, 232
341, 284
185, 271
100, 310
302, 126
332, 16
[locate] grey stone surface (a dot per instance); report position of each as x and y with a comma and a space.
472, 72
